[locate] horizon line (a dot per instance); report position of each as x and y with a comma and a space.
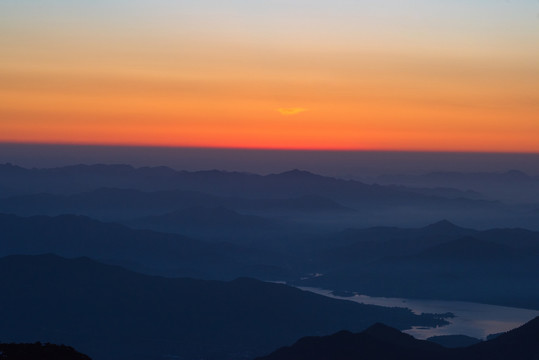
267, 149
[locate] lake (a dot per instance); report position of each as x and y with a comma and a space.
472, 319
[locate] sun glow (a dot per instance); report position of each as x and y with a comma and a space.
291, 111
374, 79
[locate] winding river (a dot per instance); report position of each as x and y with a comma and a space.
472, 319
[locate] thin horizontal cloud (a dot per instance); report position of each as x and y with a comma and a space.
291, 111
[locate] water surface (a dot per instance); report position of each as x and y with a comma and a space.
472, 319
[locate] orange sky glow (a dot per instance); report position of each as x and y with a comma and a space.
234, 77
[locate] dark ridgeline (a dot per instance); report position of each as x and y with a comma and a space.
117, 203
377, 342
439, 261
39, 351
221, 223
454, 341
513, 185
82, 178
383, 342
291, 184
111, 313
361, 245
15, 180
501, 272
141, 250
353, 164
121, 192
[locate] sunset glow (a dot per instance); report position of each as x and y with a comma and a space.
441, 75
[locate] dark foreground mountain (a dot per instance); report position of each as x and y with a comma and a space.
454, 341
110, 313
39, 351
377, 342
382, 342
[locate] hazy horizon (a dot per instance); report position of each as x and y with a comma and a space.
345, 164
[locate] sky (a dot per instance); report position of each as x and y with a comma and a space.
425, 75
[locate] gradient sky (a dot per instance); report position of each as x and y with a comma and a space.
387, 74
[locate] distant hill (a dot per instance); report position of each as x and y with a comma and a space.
220, 224
517, 238
467, 268
513, 185
217, 217
383, 342
437, 232
80, 178
142, 250
363, 245
319, 199
294, 183
110, 313
369, 244
121, 204
421, 263
467, 249
447, 192
39, 351
107, 203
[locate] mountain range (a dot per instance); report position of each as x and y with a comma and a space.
511, 186
141, 250
484, 267
108, 312
121, 192
65, 232
382, 342
439, 261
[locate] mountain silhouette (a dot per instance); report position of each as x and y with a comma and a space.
467, 249
39, 351
466, 269
220, 217
364, 245
84, 178
517, 238
141, 250
218, 224
383, 342
386, 205
377, 342
443, 227
454, 341
519, 343
108, 312
512, 185
121, 204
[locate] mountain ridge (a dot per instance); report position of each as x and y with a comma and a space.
52, 299
382, 342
